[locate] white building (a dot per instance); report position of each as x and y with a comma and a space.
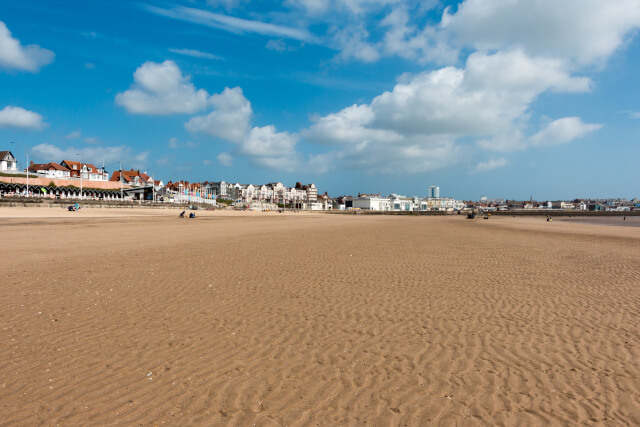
50, 170
444, 204
8, 162
372, 203
433, 192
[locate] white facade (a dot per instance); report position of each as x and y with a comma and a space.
398, 203
8, 163
444, 204
372, 203
54, 173
433, 192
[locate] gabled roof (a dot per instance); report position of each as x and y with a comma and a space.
129, 176
71, 163
46, 166
4, 154
92, 167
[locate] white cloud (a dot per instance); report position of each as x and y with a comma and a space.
196, 53
451, 101
407, 40
160, 88
14, 56
563, 130
206, 162
635, 115
18, 117
419, 125
490, 164
230, 119
74, 135
89, 65
349, 126
279, 45
225, 159
227, 4
173, 142
230, 23
474, 101
352, 41
351, 7
267, 147
583, 31
96, 155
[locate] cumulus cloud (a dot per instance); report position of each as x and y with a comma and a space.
173, 142
419, 125
349, 126
230, 119
578, 32
109, 154
490, 164
424, 115
267, 147
18, 117
161, 88
563, 130
225, 159
14, 56
352, 41
582, 30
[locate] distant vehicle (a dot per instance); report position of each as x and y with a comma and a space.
194, 208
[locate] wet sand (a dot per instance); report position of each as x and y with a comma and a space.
118, 316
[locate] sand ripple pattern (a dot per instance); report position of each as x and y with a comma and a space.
318, 320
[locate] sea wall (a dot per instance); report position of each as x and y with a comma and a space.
102, 185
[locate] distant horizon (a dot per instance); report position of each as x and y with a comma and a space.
480, 97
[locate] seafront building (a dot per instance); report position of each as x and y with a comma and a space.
302, 196
397, 203
8, 162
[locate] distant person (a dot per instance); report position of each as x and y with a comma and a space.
192, 215
182, 214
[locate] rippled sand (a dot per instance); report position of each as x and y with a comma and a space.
140, 317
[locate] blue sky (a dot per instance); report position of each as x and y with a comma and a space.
481, 97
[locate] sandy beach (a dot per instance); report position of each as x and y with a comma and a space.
134, 316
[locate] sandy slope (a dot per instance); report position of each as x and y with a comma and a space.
317, 319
